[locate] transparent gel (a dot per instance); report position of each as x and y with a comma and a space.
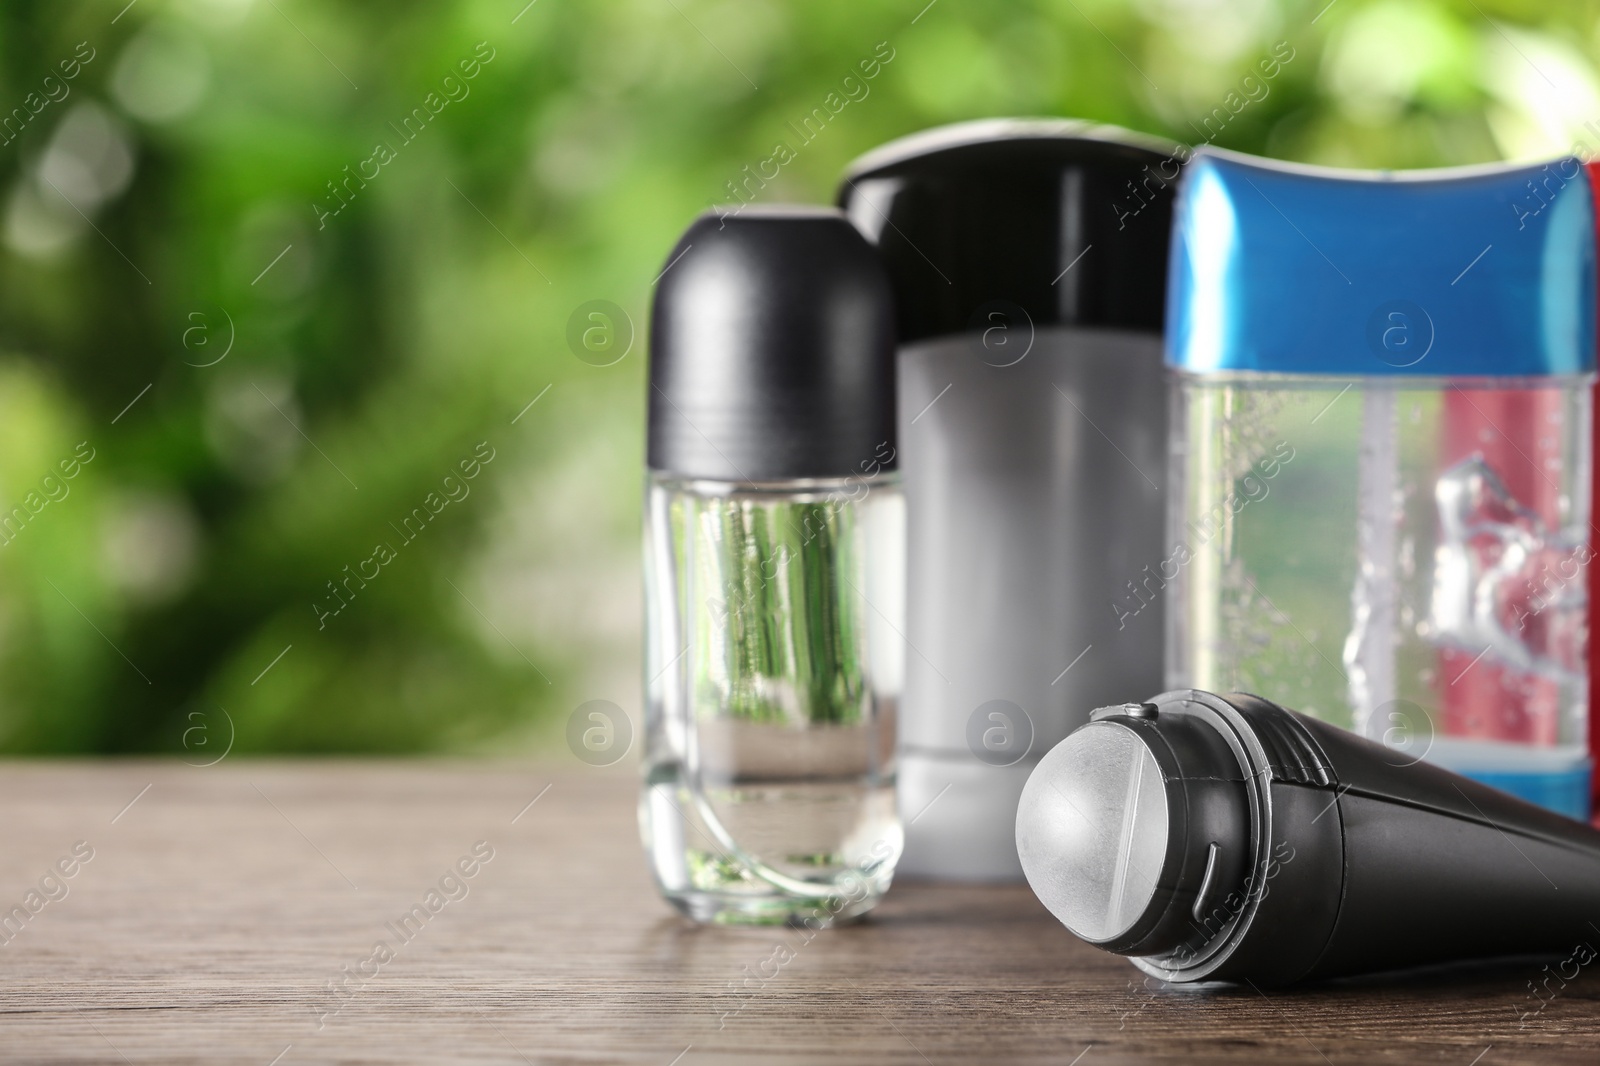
1405, 558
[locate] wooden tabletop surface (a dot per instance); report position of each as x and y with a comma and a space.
230, 914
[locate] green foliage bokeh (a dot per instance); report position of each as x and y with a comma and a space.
171, 201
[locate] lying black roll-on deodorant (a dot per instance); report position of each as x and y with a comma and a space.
1225, 838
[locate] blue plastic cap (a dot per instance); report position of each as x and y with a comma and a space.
1473, 272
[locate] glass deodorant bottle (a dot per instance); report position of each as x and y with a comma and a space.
774, 573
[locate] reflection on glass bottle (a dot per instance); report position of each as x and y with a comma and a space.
770, 747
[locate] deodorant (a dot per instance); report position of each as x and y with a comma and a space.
1028, 261
1225, 838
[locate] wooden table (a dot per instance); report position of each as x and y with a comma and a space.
221, 903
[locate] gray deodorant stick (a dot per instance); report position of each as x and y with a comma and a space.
1028, 259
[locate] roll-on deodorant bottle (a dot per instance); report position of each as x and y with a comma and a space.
1028, 259
1221, 837
774, 573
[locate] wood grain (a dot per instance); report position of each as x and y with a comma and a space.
219, 906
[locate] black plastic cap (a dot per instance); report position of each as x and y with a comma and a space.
772, 350
1068, 221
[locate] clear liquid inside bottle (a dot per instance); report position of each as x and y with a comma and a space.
773, 670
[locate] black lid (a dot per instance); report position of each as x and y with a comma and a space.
1067, 220
772, 350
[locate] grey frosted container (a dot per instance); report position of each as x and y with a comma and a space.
1029, 262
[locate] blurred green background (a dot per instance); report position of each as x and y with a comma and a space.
268, 389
